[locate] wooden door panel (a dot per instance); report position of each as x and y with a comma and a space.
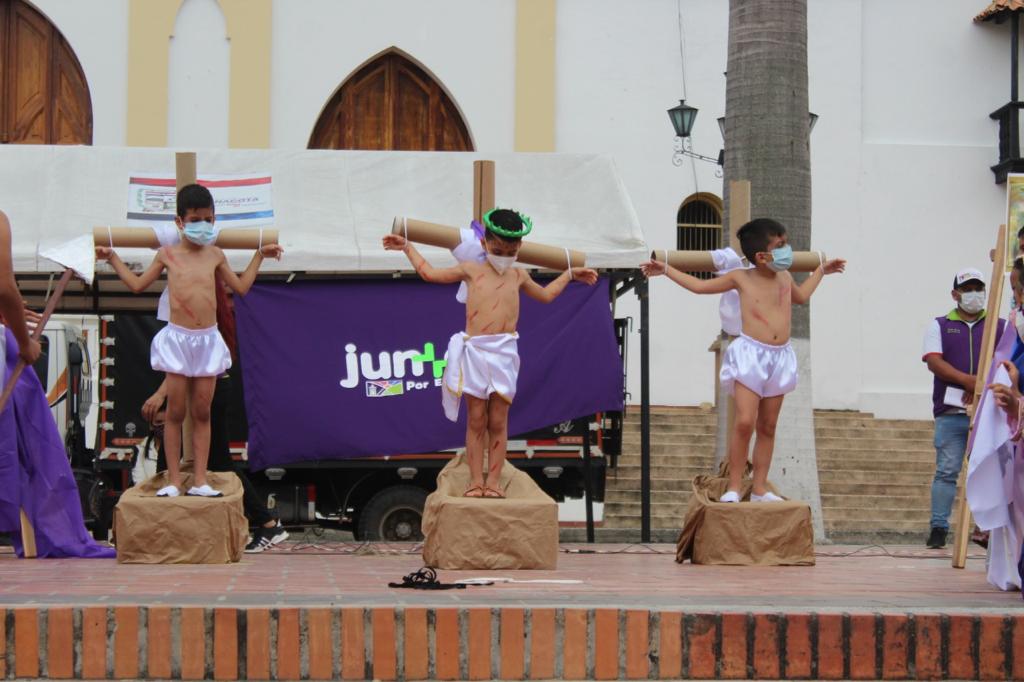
44, 97
366, 115
412, 109
72, 109
391, 104
30, 49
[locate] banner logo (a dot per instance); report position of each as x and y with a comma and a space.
388, 373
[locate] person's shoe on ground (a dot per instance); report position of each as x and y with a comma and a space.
937, 538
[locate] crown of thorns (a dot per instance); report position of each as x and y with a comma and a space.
511, 234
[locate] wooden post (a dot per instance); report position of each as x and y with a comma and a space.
739, 215
184, 169
483, 189
988, 346
185, 174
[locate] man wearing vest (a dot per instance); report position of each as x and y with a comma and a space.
952, 349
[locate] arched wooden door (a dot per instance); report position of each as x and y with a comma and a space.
392, 104
44, 97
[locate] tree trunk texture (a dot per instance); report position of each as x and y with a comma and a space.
766, 142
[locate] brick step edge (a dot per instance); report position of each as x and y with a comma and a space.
389, 643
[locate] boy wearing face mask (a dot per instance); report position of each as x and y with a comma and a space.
952, 351
759, 368
483, 361
189, 349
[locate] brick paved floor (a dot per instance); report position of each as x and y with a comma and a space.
875, 580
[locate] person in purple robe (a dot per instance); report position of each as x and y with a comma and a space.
35, 475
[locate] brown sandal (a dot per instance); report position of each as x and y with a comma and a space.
475, 491
493, 493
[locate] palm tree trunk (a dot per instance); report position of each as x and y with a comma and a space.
766, 142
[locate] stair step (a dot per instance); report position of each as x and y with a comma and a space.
657, 496
840, 462
828, 475
873, 487
693, 443
882, 517
874, 445
873, 433
916, 501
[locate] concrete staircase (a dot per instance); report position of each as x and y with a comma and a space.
875, 474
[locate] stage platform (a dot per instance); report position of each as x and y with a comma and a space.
629, 612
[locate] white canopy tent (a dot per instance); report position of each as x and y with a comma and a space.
331, 207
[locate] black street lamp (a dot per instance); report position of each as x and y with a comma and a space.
682, 118
1008, 115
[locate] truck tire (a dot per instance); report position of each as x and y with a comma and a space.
394, 515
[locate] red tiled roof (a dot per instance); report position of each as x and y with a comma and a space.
997, 7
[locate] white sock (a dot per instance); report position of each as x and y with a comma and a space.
767, 497
168, 491
730, 496
204, 491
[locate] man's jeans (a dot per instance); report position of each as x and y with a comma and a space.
950, 443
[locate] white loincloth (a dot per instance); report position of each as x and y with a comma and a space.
765, 369
189, 352
479, 366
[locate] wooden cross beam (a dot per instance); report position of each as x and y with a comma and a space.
447, 237
145, 238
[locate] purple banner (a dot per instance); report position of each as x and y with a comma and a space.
343, 369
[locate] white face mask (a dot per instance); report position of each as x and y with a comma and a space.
972, 302
1018, 322
500, 263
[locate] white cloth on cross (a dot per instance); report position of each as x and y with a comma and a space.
469, 250
727, 260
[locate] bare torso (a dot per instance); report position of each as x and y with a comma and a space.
191, 283
492, 306
766, 305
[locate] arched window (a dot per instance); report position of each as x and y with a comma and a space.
699, 225
44, 97
393, 104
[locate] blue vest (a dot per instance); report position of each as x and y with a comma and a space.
961, 348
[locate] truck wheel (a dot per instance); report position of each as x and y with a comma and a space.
394, 514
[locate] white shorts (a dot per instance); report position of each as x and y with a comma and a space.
765, 369
189, 352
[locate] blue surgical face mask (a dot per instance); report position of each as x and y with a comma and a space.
200, 232
782, 258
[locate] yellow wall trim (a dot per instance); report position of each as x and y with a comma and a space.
249, 32
150, 28
150, 25
535, 76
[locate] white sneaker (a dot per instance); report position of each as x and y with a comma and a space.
767, 497
168, 491
730, 496
204, 491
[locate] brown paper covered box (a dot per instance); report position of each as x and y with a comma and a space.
180, 530
745, 534
462, 533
